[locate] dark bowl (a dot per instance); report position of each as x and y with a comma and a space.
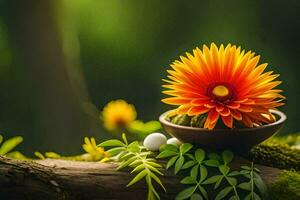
236, 139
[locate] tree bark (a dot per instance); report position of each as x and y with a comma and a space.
44, 41
62, 179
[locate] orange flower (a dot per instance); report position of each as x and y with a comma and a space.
225, 83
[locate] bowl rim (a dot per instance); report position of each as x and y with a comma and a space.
281, 120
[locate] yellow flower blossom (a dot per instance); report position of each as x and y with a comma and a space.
118, 114
97, 153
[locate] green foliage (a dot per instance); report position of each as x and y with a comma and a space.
9, 145
54, 155
93, 153
290, 139
253, 180
198, 121
207, 171
16, 155
136, 157
142, 129
39, 155
183, 120
178, 155
49, 154
276, 155
203, 171
286, 187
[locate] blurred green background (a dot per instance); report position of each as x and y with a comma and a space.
61, 61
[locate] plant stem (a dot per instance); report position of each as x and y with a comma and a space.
252, 182
150, 186
235, 192
234, 188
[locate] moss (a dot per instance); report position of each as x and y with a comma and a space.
286, 187
276, 155
198, 121
183, 120
290, 139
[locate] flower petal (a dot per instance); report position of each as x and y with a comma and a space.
233, 105
227, 120
176, 101
199, 101
219, 108
225, 112
197, 110
212, 118
244, 108
183, 109
236, 115
251, 91
210, 105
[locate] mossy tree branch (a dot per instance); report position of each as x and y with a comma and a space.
61, 179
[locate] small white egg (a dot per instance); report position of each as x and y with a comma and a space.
174, 141
153, 141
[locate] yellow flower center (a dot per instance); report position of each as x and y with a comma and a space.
220, 91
